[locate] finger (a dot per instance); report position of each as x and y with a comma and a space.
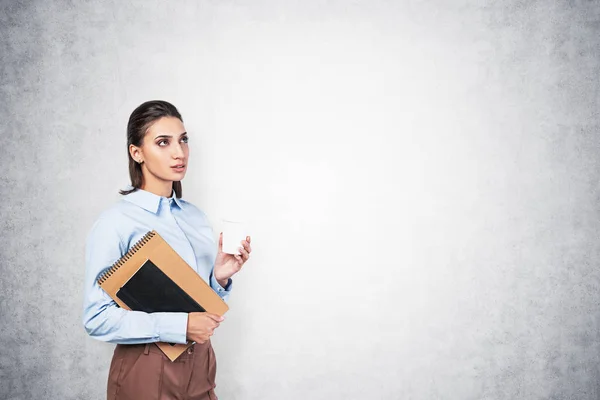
215, 317
246, 244
244, 253
220, 242
239, 259
245, 256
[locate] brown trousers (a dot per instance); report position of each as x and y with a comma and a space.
143, 372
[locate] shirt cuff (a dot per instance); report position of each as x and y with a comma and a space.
171, 327
221, 291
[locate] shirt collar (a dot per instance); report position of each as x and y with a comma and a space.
148, 200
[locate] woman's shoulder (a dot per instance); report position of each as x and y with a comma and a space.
104, 231
114, 211
111, 217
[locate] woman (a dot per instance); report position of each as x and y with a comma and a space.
158, 157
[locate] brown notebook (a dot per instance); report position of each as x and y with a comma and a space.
152, 277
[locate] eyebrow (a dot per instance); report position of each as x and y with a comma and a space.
169, 136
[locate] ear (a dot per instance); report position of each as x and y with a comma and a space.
136, 153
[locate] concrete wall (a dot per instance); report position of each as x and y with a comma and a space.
420, 178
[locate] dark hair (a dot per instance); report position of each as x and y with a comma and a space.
140, 121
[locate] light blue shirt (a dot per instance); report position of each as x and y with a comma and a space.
183, 226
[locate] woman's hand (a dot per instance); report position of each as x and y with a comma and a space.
201, 326
226, 265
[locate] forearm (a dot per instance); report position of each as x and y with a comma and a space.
112, 324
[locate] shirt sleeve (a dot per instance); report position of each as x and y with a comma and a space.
103, 319
221, 291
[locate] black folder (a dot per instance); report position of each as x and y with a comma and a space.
151, 290
152, 277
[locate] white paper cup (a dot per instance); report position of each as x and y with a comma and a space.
233, 233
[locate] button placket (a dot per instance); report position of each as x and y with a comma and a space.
181, 232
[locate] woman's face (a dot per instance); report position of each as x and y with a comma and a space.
165, 151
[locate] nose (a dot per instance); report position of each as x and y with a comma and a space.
178, 151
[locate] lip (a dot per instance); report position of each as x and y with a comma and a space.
178, 167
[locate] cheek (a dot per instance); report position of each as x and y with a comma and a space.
157, 158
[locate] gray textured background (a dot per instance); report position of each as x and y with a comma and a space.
420, 177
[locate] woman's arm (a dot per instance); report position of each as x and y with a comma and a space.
103, 319
227, 265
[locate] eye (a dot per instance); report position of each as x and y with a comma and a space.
184, 139
160, 142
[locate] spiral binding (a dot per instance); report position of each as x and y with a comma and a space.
119, 263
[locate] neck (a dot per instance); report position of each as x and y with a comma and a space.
162, 188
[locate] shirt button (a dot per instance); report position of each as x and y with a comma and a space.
190, 350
